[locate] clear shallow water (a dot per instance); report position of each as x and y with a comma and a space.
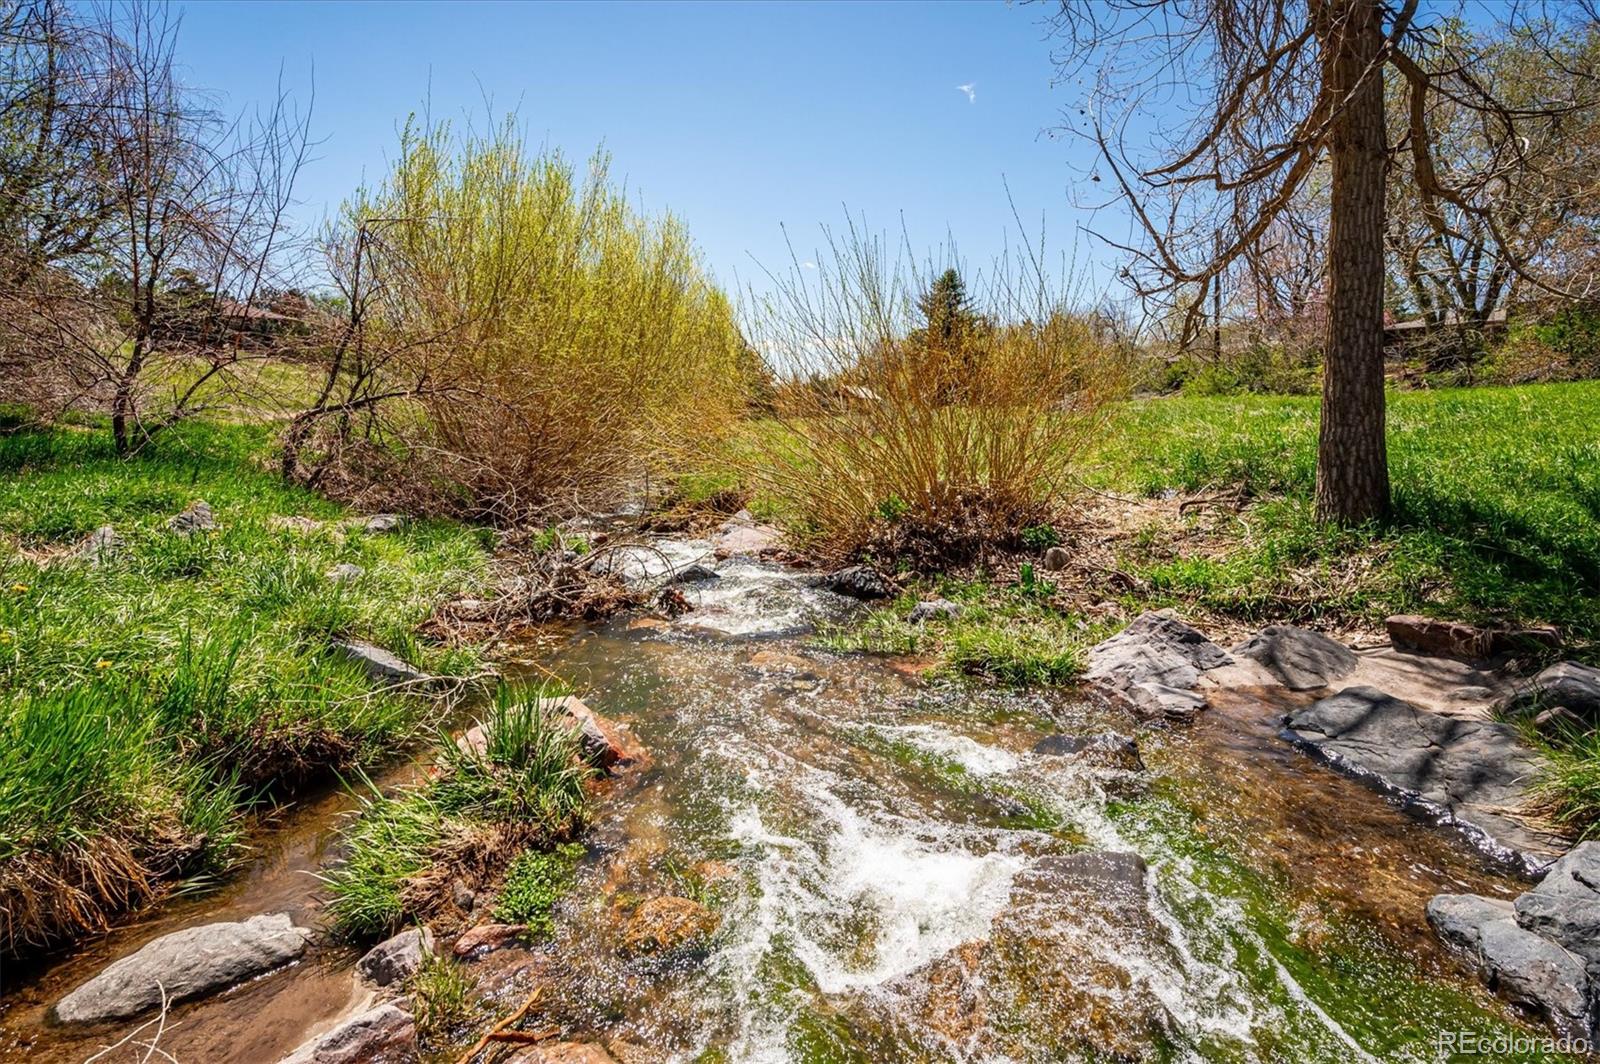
878, 837
878, 828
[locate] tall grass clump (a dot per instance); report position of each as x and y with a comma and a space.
523, 787
553, 342
915, 416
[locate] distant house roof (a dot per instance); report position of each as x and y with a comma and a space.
232, 308
859, 392
1496, 319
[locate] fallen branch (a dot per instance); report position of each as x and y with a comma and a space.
503, 1032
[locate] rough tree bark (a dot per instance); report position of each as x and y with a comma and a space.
1352, 456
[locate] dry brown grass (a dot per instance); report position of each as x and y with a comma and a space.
46, 899
890, 437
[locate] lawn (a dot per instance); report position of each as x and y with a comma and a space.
1496, 507
149, 700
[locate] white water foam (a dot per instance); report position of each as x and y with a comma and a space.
971, 755
921, 890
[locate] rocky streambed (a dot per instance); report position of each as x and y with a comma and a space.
833, 858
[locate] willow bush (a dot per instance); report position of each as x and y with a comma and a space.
569, 344
917, 420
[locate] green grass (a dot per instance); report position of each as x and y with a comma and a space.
146, 701
525, 787
443, 998
1496, 496
1015, 634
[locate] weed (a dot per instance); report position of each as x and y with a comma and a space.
922, 426
443, 998
1040, 537
525, 784
534, 882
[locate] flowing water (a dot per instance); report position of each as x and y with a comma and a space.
872, 842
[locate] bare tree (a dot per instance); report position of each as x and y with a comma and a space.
53, 104
369, 363
150, 258
1532, 186
1267, 96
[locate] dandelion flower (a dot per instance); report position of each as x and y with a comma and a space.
103, 663
19, 588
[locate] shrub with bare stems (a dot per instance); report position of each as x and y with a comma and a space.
921, 425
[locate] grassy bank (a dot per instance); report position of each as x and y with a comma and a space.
149, 698
1204, 504
1496, 493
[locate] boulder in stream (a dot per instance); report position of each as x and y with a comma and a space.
395, 959
666, 925
1524, 967
1107, 750
486, 938
606, 744
859, 582
1565, 906
382, 1034
742, 536
694, 573
1300, 659
1465, 772
1152, 667
186, 964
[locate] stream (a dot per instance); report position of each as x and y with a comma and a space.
879, 838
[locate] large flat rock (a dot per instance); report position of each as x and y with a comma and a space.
1152, 667
1298, 658
1471, 774
186, 964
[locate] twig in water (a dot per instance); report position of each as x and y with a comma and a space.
501, 1032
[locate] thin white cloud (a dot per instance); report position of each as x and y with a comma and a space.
971, 89
808, 265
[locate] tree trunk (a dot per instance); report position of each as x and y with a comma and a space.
1352, 458
121, 411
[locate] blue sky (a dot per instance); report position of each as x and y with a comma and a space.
739, 118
